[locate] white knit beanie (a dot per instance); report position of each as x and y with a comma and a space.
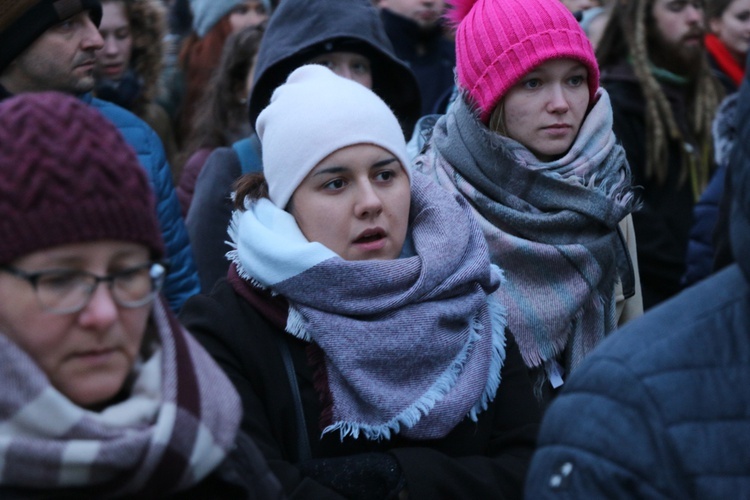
206, 13
314, 114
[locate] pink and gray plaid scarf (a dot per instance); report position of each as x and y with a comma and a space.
176, 425
551, 226
412, 346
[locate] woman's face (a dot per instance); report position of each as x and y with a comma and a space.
247, 13
733, 28
86, 355
356, 203
544, 111
113, 60
347, 64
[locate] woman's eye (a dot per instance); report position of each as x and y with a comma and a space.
576, 80
532, 84
385, 175
334, 184
360, 68
60, 280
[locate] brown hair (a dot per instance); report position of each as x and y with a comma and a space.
252, 186
148, 25
220, 116
198, 59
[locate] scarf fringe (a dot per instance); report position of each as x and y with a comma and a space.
422, 406
498, 317
295, 325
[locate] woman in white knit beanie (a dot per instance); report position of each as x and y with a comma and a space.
356, 318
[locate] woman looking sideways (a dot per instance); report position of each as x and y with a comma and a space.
529, 144
356, 320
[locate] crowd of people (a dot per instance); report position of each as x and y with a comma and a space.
374, 249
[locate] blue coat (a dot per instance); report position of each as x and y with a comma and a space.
182, 281
661, 409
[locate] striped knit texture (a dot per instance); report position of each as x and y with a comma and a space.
68, 176
500, 41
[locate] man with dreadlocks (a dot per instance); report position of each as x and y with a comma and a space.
653, 64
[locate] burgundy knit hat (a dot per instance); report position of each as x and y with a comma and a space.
500, 41
67, 176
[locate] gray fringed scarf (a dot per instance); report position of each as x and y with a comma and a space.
551, 226
413, 345
176, 425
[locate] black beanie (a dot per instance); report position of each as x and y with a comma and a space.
23, 21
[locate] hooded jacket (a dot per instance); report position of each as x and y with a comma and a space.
302, 29
298, 31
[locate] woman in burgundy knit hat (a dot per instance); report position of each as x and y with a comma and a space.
92, 405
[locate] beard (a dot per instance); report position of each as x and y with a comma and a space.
684, 58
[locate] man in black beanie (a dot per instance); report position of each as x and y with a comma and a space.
51, 45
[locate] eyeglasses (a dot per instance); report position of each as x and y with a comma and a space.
67, 291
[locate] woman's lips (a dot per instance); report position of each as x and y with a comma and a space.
371, 239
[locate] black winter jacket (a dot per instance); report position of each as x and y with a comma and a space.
484, 459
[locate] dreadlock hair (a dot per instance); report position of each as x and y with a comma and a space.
626, 36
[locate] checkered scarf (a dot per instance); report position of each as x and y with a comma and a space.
551, 226
177, 424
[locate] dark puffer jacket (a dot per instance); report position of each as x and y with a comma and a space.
182, 281
661, 409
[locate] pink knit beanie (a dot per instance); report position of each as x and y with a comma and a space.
68, 176
500, 41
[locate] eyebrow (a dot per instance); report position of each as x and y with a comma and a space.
337, 169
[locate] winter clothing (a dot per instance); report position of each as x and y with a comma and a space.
133, 438
206, 13
699, 260
663, 221
182, 280
23, 21
658, 413
156, 437
138, 88
209, 215
329, 306
298, 31
560, 218
64, 189
430, 55
497, 43
366, 327
724, 65
739, 156
301, 30
313, 105
483, 459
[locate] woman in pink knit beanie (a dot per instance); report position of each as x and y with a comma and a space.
529, 143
